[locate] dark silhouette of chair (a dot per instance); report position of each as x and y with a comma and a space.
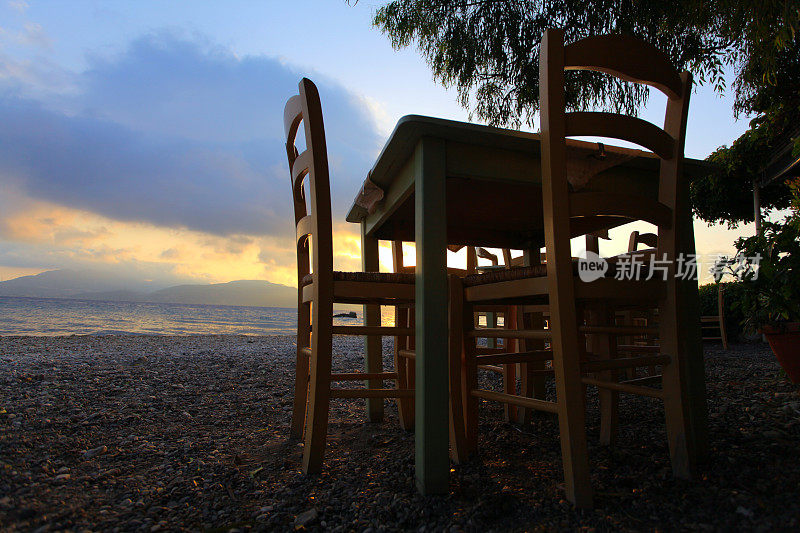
556, 283
319, 287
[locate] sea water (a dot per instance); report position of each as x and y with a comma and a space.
55, 316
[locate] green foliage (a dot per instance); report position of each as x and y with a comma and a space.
773, 295
772, 93
489, 49
766, 50
726, 195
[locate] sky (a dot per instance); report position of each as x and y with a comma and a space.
146, 137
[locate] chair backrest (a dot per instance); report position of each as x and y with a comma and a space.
400, 267
312, 216
629, 59
636, 238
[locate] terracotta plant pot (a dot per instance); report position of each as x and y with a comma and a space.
785, 343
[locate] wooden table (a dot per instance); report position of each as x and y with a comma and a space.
448, 182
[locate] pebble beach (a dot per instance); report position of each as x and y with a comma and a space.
158, 433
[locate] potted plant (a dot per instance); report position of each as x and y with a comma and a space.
770, 292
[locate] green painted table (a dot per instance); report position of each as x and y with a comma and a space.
440, 182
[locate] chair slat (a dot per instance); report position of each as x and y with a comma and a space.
515, 357
292, 115
625, 362
385, 331
300, 167
618, 204
305, 227
618, 126
625, 57
648, 239
622, 387
522, 401
372, 393
620, 330
358, 376
644, 380
496, 333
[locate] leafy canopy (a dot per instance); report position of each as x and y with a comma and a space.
489, 51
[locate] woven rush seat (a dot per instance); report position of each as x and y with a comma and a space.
510, 274
372, 277
540, 271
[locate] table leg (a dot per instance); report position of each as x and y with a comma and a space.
373, 346
432, 460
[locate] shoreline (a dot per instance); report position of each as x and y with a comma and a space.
190, 432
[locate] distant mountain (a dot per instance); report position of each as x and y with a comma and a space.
244, 292
70, 284
90, 285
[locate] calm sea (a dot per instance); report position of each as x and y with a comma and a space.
51, 316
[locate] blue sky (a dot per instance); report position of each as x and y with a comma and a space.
146, 136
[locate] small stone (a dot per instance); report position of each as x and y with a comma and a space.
26, 513
62, 477
305, 519
94, 452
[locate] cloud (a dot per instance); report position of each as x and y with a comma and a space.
33, 34
177, 133
20, 6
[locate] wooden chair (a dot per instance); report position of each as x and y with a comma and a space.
710, 323
404, 348
404, 353
490, 313
319, 287
637, 315
556, 283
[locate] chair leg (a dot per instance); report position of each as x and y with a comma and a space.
627, 320
491, 322
532, 384
458, 446
405, 405
411, 369
510, 387
571, 405
605, 347
469, 378
510, 371
373, 362
320, 390
675, 407
301, 372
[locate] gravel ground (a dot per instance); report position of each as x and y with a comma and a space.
145, 433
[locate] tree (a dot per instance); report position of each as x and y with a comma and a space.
489, 51
727, 195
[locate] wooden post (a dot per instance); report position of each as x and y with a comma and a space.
432, 461
373, 345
